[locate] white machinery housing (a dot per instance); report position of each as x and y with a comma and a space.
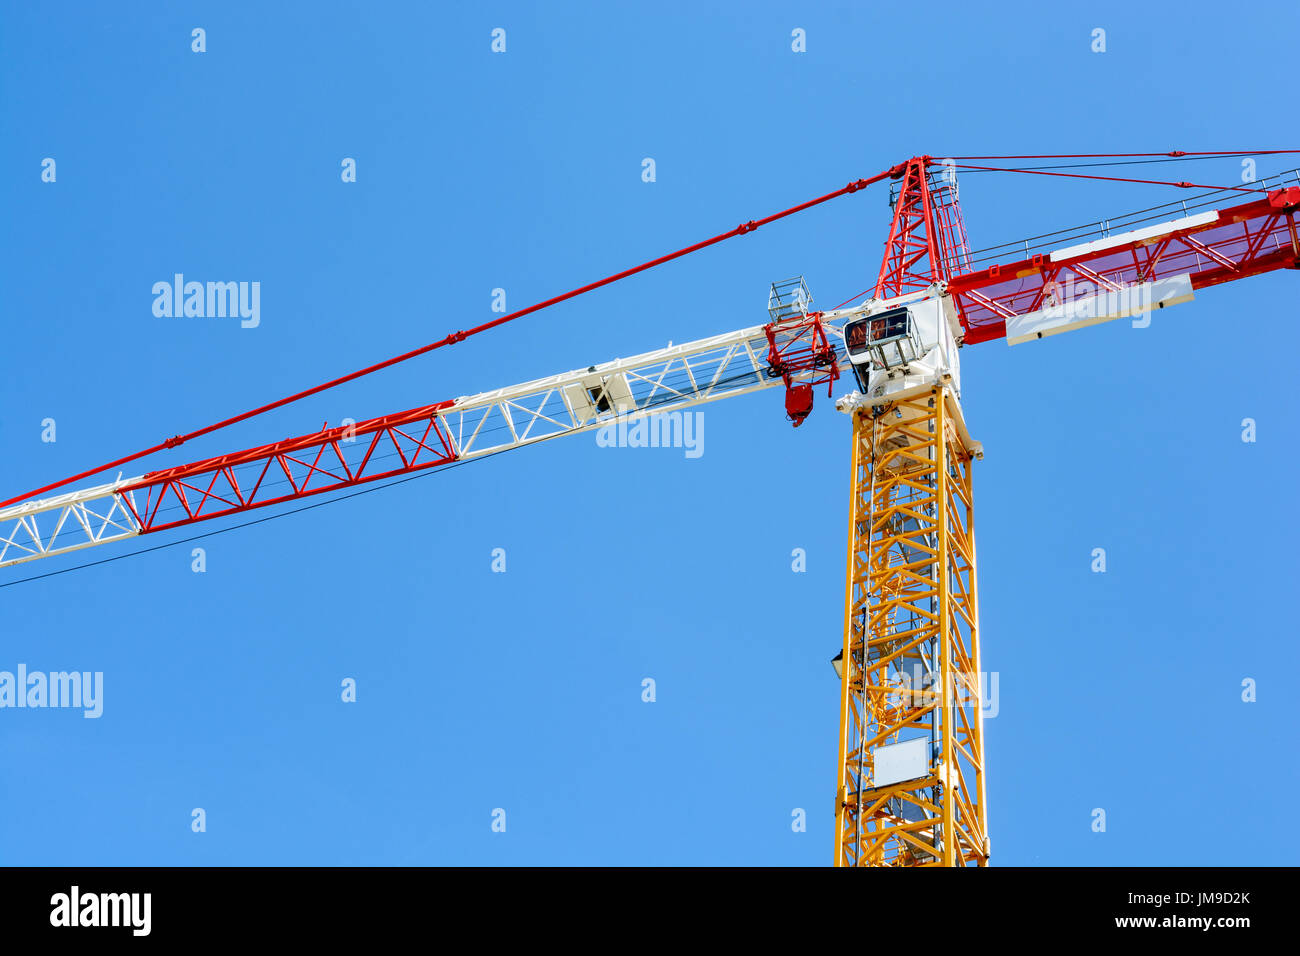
899, 345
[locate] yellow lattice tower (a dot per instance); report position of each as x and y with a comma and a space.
911, 752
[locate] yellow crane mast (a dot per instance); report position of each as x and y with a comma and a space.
911, 741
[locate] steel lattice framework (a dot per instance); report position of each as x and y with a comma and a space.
910, 665
1212, 247
664, 380
926, 247
927, 237
911, 676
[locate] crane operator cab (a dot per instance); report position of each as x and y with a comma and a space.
901, 344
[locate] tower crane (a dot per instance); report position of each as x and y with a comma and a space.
910, 766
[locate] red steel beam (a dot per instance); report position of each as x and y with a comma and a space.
327, 460
1245, 240
913, 258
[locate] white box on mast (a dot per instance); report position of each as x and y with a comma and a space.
902, 344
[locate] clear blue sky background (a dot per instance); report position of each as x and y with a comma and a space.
523, 690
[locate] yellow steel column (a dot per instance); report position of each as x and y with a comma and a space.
841, 810
982, 816
945, 683
909, 617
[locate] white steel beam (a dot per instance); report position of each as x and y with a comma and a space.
667, 379
672, 378
68, 522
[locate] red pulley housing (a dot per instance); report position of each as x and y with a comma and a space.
799, 345
798, 403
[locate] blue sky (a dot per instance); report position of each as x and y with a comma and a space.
522, 690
